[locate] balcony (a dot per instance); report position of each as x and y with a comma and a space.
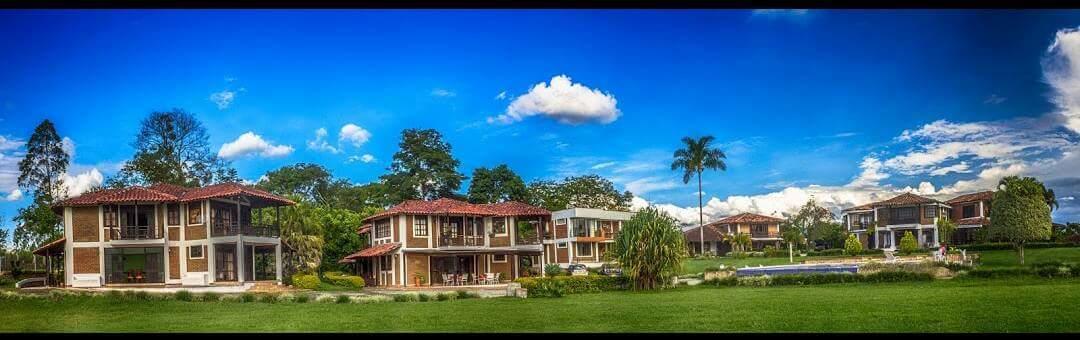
232, 228
527, 239
461, 241
764, 235
132, 233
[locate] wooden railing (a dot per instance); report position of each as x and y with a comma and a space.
461, 241
532, 239
764, 235
134, 233
231, 228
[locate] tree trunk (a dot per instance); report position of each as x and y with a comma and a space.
1021, 254
790, 253
701, 216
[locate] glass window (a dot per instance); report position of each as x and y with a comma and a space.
583, 249
930, 212
420, 226
382, 228
758, 229
561, 245
498, 225
904, 213
173, 214
136, 215
195, 252
194, 213
581, 227
969, 211
499, 258
110, 216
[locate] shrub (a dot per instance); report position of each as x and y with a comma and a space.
342, 299
423, 297
771, 251
756, 254
908, 244
337, 278
727, 281
182, 295
268, 298
896, 276
737, 254
552, 269
574, 284
987, 273
461, 294
711, 269
306, 281
826, 252
852, 246
405, 298
1006, 246
302, 298
755, 281
247, 297
115, 295
211, 297
444, 296
141, 295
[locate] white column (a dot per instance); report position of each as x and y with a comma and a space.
277, 261
239, 259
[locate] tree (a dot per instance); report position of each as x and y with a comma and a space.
498, 184
42, 169
945, 228
423, 168
36, 224
852, 246
339, 234
302, 234
173, 147
696, 157
811, 221
908, 244
1019, 212
739, 241
650, 248
590, 191
792, 235
1050, 198
831, 232
306, 180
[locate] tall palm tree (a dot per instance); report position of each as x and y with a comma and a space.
1051, 200
694, 158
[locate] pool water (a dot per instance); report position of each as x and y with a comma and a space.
798, 269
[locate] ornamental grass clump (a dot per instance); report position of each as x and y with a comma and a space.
211, 297
247, 297
342, 299
182, 295
650, 248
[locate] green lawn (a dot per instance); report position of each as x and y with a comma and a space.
990, 259
1010, 305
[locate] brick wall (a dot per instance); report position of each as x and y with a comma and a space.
197, 232
417, 263
86, 260
84, 224
415, 242
174, 262
174, 234
197, 265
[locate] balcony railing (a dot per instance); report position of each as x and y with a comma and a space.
461, 241
134, 233
764, 235
530, 239
232, 228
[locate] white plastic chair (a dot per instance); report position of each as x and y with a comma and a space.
498, 277
448, 279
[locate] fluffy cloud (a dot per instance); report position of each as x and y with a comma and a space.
442, 93
82, 182
564, 101
250, 144
10, 155
354, 134
996, 142
14, 195
223, 99
366, 158
960, 168
320, 144
501, 95
1061, 68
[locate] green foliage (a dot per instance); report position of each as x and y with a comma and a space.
445, 296
852, 246
302, 298
405, 298
650, 248
1019, 212
173, 147
908, 244
306, 281
817, 279
589, 191
498, 184
826, 252
182, 295
561, 285
1008, 246
695, 157
423, 168
338, 233
339, 279
342, 299
811, 222
268, 298
946, 227
247, 297
739, 241
36, 224
42, 168
552, 269
210, 297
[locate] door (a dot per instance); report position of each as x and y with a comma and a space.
225, 262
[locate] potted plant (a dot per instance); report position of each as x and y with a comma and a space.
418, 279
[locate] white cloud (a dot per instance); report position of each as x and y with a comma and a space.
251, 144
564, 101
442, 93
993, 142
1067, 198
646, 185
960, 168
773, 13
354, 134
10, 155
320, 144
1061, 69
14, 195
68, 146
82, 182
366, 158
223, 99
501, 95
602, 165
994, 99
7, 144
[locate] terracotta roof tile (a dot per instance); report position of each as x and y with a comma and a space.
906, 199
748, 218
41, 251
167, 193
513, 208
377, 250
972, 197
452, 206
231, 189
973, 221
711, 234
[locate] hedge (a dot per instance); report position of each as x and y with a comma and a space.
341, 279
816, 279
306, 281
1007, 246
559, 285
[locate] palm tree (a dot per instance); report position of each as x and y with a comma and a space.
739, 241
1051, 200
694, 158
650, 248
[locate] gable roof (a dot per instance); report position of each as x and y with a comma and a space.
906, 198
377, 250
452, 206
167, 193
747, 218
711, 233
972, 197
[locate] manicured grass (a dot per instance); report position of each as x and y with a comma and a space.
1004, 305
1009, 258
329, 287
692, 266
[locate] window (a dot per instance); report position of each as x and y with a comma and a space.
561, 245
581, 227
499, 258
172, 212
136, 215
759, 229
194, 213
583, 249
382, 229
969, 211
498, 225
195, 252
901, 214
110, 216
420, 226
561, 221
930, 212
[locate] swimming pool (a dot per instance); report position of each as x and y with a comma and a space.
798, 269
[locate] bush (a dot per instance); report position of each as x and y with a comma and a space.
711, 269
405, 298
461, 294
302, 298
339, 279
987, 273
210, 297
756, 254
268, 298
445, 296
247, 297
1006, 246
852, 246
573, 284
423, 297
908, 244
342, 299
552, 269
755, 281
771, 251
182, 295
306, 281
727, 281
826, 252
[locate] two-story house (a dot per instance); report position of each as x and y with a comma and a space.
428, 240
763, 230
970, 213
582, 236
881, 225
169, 235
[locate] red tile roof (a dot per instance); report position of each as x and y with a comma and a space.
452, 206
378, 250
42, 250
711, 234
747, 218
973, 221
972, 197
168, 193
867, 206
906, 198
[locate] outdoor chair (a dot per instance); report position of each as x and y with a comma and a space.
138, 276
130, 277
890, 257
490, 278
448, 279
498, 277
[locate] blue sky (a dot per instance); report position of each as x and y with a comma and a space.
843, 106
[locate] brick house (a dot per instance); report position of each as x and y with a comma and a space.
168, 235
582, 236
763, 231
